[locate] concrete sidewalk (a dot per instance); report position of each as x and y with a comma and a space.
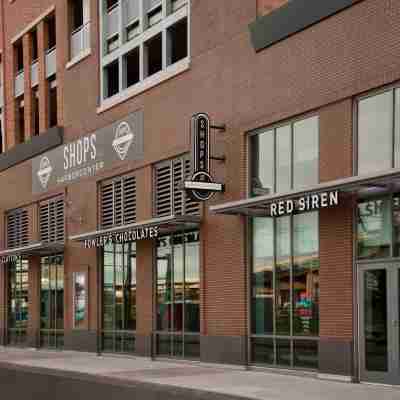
167, 375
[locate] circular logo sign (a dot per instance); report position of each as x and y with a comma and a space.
123, 140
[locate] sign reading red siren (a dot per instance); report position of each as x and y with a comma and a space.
201, 187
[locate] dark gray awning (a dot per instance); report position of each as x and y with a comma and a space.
34, 249
360, 185
169, 224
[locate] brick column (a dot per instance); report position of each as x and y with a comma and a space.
144, 267
42, 38
27, 51
9, 86
34, 301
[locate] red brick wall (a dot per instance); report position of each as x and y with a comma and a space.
344, 55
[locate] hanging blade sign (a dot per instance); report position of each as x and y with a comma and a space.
201, 187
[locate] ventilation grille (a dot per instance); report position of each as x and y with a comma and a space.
52, 221
118, 202
170, 198
17, 228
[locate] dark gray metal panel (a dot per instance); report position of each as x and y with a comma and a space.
291, 18
37, 145
81, 340
19, 382
223, 349
336, 357
143, 345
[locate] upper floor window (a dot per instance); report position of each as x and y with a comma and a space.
285, 157
378, 132
19, 57
142, 39
79, 12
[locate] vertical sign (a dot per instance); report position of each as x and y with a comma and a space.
201, 187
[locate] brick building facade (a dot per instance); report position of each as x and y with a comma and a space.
81, 79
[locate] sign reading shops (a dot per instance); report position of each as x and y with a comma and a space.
89, 155
122, 237
201, 186
310, 202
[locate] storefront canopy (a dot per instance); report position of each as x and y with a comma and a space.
164, 225
359, 185
34, 249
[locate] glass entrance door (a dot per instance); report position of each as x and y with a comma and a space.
379, 323
52, 302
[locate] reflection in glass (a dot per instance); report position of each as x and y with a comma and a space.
262, 276
263, 350
283, 352
396, 225
305, 152
375, 320
283, 156
18, 301
282, 276
119, 298
178, 295
263, 163
52, 301
374, 228
306, 354
375, 133
306, 274
285, 268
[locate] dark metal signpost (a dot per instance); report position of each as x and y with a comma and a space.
201, 187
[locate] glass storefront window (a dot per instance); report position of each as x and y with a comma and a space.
286, 269
119, 298
178, 295
52, 301
18, 302
285, 158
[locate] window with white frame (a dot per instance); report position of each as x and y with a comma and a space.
143, 43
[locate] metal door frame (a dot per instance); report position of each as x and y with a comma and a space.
392, 298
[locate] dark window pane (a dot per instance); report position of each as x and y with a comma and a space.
192, 346
132, 67
262, 350
283, 353
262, 277
375, 320
374, 228
177, 42
153, 53
306, 354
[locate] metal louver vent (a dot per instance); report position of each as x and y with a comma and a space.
170, 197
51, 221
118, 202
17, 228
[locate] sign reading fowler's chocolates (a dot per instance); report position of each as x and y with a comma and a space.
306, 203
90, 154
122, 237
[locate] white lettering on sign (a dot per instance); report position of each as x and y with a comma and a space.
305, 203
122, 237
80, 151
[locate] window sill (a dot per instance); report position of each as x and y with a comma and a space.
77, 59
148, 83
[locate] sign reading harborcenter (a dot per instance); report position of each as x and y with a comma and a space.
306, 203
90, 154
